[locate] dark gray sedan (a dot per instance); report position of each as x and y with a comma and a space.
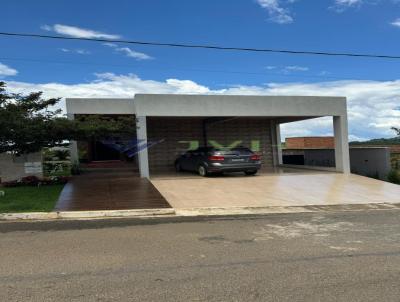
207, 160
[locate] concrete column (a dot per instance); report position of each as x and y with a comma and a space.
143, 156
342, 157
73, 145
276, 145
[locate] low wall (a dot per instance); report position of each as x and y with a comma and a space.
370, 161
15, 167
373, 162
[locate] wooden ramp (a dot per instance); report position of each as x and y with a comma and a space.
109, 189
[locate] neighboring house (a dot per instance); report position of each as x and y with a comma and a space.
371, 161
310, 142
14, 167
170, 124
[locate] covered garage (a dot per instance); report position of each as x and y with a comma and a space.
179, 134
172, 124
168, 125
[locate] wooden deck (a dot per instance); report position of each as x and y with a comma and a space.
109, 189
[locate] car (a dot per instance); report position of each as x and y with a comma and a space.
211, 160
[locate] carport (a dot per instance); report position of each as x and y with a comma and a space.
175, 123
170, 124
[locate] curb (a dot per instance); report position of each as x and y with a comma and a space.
235, 211
91, 220
86, 214
192, 212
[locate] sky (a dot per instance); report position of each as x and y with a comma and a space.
62, 68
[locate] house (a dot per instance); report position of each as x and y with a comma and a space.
170, 124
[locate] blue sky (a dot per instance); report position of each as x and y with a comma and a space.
79, 68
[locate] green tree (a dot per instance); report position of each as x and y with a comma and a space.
29, 123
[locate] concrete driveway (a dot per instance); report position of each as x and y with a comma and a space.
275, 189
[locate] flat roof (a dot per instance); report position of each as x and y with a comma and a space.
176, 105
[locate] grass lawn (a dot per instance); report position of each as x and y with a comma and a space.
29, 199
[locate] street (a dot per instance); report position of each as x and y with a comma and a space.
327, 256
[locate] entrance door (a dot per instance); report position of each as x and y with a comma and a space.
102, 152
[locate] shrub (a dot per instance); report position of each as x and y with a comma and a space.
59, 180
56, 168
33, 181
394, 176
11, 184
61, 154
30, 180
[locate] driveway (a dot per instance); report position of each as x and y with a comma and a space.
275, 189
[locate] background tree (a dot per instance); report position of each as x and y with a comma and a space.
29, 123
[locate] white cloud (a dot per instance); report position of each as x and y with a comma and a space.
129, 52
373, 107
396, 22
276, 12
134, 54
77, 32
77, 51
323, 73
342, 5
287, 69
109, 44
7, 71
296, 68
348, 2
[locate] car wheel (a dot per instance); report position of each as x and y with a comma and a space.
178, 167
250, 172
202, 171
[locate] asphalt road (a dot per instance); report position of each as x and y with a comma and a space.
295, 257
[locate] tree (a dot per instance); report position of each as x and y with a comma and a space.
397, 130
29, 123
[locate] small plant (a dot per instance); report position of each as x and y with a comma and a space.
61, 154
394, 176
30, 180
59, 180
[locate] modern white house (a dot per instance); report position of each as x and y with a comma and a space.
170, 124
